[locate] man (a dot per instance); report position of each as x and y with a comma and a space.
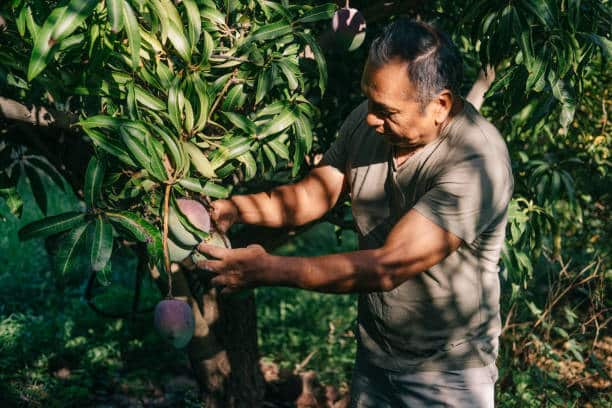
429, 181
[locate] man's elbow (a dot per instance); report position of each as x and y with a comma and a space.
393, 269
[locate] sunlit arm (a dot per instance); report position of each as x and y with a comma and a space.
414, 245
292, 204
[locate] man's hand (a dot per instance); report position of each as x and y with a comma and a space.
224, 214
236, 269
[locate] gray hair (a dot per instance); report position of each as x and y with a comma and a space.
434, 63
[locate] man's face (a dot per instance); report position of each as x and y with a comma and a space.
393, 109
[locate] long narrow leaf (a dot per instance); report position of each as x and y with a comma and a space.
51, 225
195, 24
141, 230
199, 160
76, 12
281, 122
131, 26
44, 47
93, 181
69, 249
115, 14
322, 12
319, 59
102, 243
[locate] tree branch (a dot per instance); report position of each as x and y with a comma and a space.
35, 115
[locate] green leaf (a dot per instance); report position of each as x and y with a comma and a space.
241, 122
141, 230
44, 46
155, 152
319, 58
20, 21
208, 47
179, 41
281, 122
270, 32
210, 189
131, 101
174, 109
145, 98
264, 84
303, 131
318, 13
564, 93
69, 249
172, 143
194, 23
102, 244
541, 10
215, 190
52, 225
537, 72
37, 187
291, 72
250, 166
94, 176
199, 160
109, 145
270, 155
131, 26
103, 275
603, 43
45, 166
235, 98
101, 121
279, 148
213, 15
203, 103
76, 12
135, 146
115, 14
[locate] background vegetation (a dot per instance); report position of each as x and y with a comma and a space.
550, 100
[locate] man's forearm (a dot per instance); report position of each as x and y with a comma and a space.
359, 271
281, 207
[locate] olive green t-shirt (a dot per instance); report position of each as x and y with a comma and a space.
446, 317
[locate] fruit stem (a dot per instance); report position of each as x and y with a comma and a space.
165, 238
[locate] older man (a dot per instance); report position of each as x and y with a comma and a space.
430, 181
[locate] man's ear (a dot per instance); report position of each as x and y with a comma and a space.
443, 105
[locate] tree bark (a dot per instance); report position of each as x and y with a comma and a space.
223, 351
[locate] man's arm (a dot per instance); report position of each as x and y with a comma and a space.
414, 245
288, 205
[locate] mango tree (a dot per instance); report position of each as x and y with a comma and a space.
178, 99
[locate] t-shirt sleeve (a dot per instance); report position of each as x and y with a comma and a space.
468, 196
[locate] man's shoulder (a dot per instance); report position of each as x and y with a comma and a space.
473, 134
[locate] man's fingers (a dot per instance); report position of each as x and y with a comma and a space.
219, 281
213, 250
213, 266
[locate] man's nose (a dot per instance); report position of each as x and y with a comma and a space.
374, 121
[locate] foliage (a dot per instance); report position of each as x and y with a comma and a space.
198, 97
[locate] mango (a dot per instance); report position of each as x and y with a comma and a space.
215, 238
174, 321
196, 214
349, 27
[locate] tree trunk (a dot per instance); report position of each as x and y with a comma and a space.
223, 352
